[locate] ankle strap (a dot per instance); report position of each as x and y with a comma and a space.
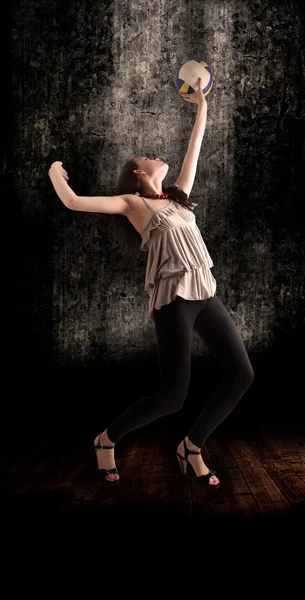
187, 451
99, 446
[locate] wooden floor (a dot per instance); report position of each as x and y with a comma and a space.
261, 469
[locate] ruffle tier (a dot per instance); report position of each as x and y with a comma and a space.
197, 284
175, 252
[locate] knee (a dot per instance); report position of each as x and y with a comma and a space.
244, 378
173, 397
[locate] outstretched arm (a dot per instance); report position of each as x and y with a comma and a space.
189, 167
112, 205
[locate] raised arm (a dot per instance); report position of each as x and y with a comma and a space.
102, 204
189, 167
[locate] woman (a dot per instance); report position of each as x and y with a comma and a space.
182, 298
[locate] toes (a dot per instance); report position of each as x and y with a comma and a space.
112, 477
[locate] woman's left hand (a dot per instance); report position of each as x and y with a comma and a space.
57, 166
197, 97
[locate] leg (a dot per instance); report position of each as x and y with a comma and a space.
218, 330
174, 327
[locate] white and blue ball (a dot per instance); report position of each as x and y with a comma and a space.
187, 77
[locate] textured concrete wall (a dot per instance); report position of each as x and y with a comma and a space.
93, 85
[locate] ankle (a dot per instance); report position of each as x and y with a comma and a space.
106, 439
190, 445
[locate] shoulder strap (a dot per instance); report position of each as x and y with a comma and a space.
148, 204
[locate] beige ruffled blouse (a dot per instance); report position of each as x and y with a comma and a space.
178, 262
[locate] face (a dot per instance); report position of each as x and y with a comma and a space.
154, 168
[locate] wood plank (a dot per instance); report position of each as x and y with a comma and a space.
130, 464
140, 489
154, 491
295, 439
176, 495
290, 485
20, 476
274, 496
287, 451
84, 482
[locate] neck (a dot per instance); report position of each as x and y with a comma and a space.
152, 189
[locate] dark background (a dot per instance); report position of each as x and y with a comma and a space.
91, 85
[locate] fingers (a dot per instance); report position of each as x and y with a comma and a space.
186, 97
189, 96
65, 174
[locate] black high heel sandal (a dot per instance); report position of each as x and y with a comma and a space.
183, 462
100, 472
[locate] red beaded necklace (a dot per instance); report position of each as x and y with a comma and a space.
153, 196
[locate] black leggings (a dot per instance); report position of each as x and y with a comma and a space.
174, 325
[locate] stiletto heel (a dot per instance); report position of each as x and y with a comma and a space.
102, 473
183, 463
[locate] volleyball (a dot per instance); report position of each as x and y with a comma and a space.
187, 77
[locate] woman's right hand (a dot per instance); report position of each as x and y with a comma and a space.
196, 97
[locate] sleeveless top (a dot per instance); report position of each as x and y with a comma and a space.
178, 261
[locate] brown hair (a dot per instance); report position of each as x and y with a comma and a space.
127, 237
